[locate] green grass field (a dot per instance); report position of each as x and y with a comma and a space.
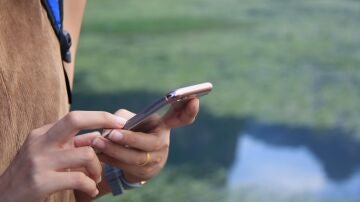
283, 61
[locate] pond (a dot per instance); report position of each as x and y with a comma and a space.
278, 163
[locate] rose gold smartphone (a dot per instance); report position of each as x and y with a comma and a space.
159, 107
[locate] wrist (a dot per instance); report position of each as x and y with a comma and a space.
5, 188
116, 180
130, 179
2, 188
17, 185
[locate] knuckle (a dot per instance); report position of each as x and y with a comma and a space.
73, 118
139, 160
107, 116
146, 172
158, 160
34, 164
37, 181
161, 143
129, 139
79, 179
166, 145
158, 144
88, 154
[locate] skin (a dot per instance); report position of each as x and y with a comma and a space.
73, 16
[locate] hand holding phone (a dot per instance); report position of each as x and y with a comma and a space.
158, 109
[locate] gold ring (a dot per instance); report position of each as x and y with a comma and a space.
147, 160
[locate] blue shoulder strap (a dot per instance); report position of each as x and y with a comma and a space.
54, 9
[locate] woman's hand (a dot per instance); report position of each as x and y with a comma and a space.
48, 160
142, 155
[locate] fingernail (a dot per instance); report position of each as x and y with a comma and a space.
116, 136
95, 193
106, 132
99, 180
98, 143
120, 120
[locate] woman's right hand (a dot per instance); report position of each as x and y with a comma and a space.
49, 160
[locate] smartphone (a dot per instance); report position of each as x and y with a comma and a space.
159, 108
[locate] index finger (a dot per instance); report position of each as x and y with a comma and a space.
75, 121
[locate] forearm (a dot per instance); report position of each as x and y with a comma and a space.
73, 15
3, 188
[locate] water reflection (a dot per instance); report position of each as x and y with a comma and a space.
284, 172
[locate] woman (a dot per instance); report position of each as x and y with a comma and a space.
41, 158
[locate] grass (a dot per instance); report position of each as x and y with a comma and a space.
283, 61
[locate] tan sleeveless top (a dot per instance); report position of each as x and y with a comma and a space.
32, 84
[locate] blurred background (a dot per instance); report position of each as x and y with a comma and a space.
283, 121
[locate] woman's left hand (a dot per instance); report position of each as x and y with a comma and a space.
142, 155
